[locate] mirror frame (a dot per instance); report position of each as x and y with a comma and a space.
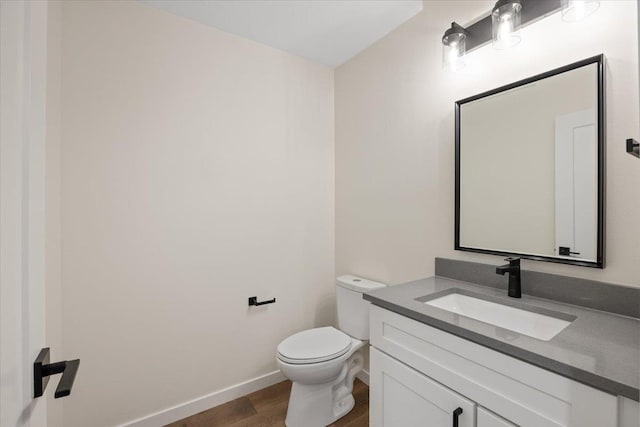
599, 262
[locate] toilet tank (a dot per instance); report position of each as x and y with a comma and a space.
353, 311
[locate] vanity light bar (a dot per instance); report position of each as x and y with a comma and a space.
481, 32
526, 12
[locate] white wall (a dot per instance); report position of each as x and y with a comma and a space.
395, 140
197, 171
53, 246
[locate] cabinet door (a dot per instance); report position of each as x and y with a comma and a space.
489, 419
403, 397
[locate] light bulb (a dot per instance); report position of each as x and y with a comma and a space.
453, 48
577, 10
505, 21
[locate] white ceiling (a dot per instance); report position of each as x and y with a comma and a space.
326, 31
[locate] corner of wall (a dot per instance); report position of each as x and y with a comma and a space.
53, 279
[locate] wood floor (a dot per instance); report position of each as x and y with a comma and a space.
268, 408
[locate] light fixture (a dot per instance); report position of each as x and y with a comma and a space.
502, 26
453, 48
505, 23
577, 10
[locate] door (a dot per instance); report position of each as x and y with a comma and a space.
403, 397
22, 204
487, 418
576, 185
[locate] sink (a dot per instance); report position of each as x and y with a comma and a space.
520, 320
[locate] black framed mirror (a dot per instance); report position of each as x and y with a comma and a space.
530, 167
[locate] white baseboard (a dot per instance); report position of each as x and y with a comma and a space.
363, 376
208, 401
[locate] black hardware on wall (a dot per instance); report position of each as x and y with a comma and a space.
254, 301
633, 147
479, 33
456, 415
42, 369
566, 251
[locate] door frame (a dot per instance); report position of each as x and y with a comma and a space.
23, 57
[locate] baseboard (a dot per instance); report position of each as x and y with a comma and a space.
208, 401
363, 376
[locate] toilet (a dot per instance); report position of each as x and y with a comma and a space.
322, 363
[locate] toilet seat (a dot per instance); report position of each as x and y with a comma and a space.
314, 346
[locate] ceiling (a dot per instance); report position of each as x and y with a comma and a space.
329, 32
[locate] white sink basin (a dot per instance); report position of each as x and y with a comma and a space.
524, 322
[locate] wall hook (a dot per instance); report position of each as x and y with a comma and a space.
633, 147
254, 301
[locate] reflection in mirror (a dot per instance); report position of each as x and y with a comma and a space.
528, 169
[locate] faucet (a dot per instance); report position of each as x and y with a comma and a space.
513, 268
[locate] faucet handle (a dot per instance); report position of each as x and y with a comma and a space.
513, 260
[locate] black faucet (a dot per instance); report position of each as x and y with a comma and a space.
513, 268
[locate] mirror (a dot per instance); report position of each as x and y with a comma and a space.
530, 167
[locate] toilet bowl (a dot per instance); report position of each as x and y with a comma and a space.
322, 363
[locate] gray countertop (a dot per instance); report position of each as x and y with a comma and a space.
598, 349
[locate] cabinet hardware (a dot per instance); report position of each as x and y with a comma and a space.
456, 415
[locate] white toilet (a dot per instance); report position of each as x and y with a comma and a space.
323, 362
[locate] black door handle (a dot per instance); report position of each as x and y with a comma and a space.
566, 251
42, 370
456, 415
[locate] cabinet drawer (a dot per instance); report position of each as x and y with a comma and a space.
522, 393
489, 419
403, 397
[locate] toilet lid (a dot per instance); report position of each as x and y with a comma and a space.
314, 345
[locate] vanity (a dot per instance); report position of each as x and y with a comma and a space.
456, 349
431, 366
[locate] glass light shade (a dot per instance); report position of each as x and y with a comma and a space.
577, 10
453, 50
505, 24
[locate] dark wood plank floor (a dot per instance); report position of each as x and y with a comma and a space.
268, 408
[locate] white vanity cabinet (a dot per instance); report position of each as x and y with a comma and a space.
489, 419
406, 398
419, 375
